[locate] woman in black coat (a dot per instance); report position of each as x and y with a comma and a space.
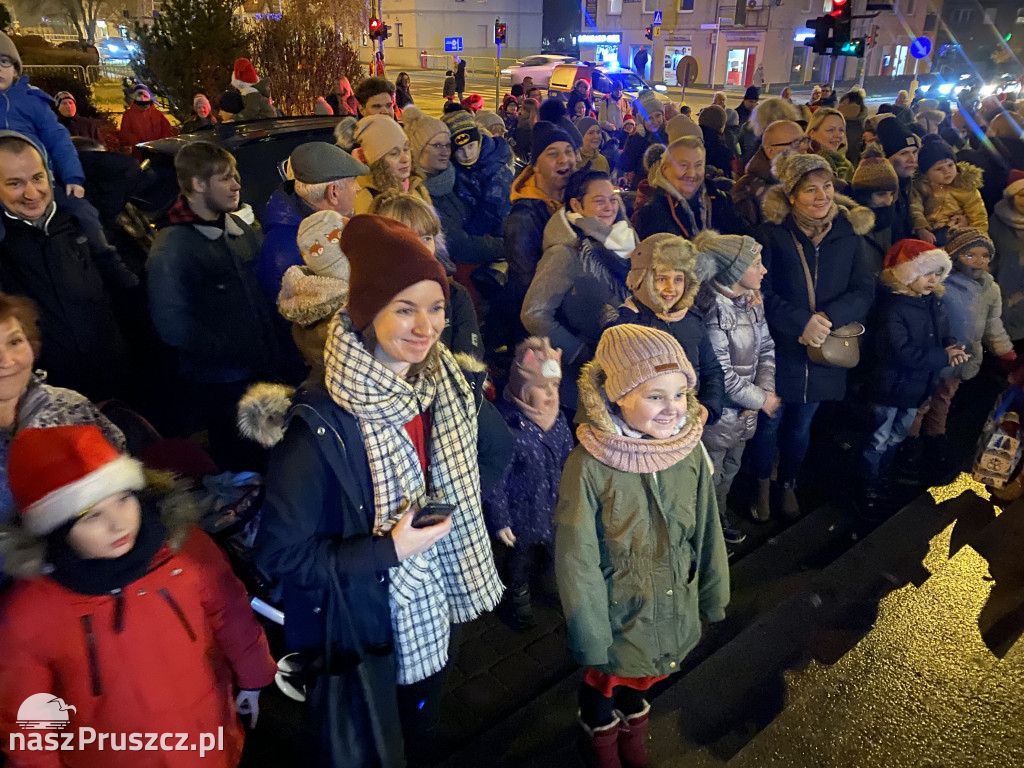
803, 214
393, 427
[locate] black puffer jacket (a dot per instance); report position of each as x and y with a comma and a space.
911, 336
462, 247
82, 346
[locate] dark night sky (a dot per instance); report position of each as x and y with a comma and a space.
561, 18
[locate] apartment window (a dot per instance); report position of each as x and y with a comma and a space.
990, 15
963, 16
808, 6
650, 6
366, 39
930, 22
686, 6
614, 7
399, 35
1020, 15
909, 7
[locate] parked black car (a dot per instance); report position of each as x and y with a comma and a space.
259, 146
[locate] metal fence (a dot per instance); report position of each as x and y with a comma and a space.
74, 71
112, 71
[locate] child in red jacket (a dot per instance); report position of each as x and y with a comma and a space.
137, 627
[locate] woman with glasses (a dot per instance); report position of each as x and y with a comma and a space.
750, 188
430, 144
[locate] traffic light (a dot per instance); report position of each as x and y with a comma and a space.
376, 28
649, 33
385, 31
499, 33
853, 47
842, 16
822, 27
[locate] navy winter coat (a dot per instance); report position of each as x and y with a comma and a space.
524, 500
463, 247
911, 336
663, 213
319, 498
844, 290
284, 213
484, 187
692, 334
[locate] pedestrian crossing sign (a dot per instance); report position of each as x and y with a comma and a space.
657, 19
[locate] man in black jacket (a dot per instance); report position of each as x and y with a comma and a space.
901, 148
46, 257
205, 300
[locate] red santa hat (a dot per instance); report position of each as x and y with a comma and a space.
56, 474
909, 259
1014, 183
244, 73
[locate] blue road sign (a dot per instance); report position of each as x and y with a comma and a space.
452, 44
657, 18
921, 47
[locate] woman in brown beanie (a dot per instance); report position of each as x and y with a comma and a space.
804, 223
394, 429
633, 593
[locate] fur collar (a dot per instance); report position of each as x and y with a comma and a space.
23, 555
776, 207
263, 409
968, 177
306, 298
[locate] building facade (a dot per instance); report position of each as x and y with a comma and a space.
423, 25
971, 36
748, 42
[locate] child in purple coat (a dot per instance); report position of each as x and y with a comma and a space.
520, 509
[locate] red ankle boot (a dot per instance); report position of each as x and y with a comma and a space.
600, 746
633, 738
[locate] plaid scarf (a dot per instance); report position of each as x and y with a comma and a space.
455, 580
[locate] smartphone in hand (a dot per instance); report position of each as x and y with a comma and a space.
433, 513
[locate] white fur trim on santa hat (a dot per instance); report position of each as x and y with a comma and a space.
925, 263
70, 501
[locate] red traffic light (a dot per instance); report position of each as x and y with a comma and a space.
838, 6
376, 27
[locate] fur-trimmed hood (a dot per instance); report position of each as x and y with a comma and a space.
663, 252
776, 207
263, 410
307, 298
968, 177
23, 556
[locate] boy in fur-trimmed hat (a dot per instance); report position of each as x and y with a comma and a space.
663, 279
913, 345
520, 510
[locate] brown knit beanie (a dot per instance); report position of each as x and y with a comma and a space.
385, 258
960, 240
630, 355
712, 117
420, 128
790, 167
377, 135
874, 173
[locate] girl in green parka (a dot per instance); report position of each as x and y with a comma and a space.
639, 553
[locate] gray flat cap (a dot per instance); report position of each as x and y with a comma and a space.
318, 162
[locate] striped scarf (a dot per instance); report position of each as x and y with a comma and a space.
455, 580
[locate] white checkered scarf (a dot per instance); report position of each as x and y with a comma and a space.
455, 580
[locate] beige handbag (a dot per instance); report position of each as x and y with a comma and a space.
842, 347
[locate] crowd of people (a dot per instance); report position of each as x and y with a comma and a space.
590, 332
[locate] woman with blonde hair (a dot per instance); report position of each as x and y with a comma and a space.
827, 131
384, 147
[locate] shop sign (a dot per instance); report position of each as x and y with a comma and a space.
613, 37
